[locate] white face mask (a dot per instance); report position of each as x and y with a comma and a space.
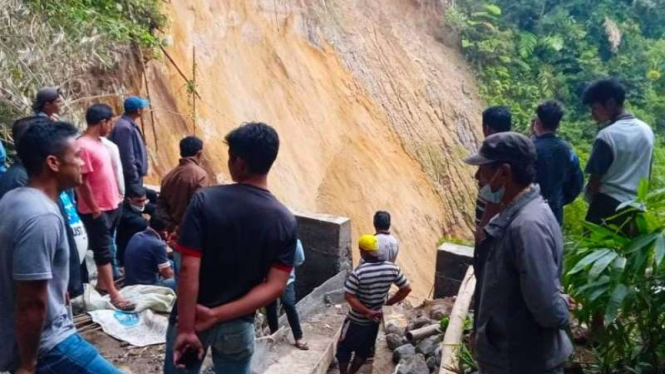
494, 197
138, 208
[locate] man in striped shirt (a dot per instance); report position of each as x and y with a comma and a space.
366, 292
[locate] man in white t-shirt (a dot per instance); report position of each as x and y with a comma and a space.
388, 244
120, 181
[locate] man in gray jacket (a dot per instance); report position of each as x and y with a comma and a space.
522, 314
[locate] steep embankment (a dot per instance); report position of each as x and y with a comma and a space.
373, 112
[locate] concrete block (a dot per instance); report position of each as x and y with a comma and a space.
326, 240
452, 261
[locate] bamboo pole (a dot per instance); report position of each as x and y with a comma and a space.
147, 91
194, 88
452, 340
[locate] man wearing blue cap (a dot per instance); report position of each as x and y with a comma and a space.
129, 139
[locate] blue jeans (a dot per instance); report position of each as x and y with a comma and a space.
232, 345
74, 355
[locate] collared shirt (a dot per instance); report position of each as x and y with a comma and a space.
178, 187
521, 314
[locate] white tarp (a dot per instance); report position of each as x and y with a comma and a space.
138, 329
141, 327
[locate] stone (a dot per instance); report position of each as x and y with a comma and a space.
393, 341
437, 355
403, 352
415, 364
428, 345
432, 364
418, 323
392, 328
438, 313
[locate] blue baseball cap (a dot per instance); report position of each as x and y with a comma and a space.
133, 103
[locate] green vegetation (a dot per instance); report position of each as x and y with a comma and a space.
526, 51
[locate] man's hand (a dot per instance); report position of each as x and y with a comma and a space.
572, 304
96, 214
29, 369
205, 318
184, 341
375, 315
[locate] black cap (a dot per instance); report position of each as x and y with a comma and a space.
504, 147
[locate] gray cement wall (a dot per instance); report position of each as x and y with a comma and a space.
452, 261
326, 240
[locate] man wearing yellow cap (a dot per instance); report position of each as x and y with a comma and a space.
366, 292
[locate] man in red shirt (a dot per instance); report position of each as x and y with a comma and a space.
99, 198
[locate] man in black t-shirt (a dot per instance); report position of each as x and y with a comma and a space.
237, 244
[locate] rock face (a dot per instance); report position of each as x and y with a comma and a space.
413, 365
371, 109
404, 352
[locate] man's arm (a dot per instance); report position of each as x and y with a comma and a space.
600, 160
166, 272
256, 298
85, 192
358, 306
188, 291
400, 295
535, 248
31, 304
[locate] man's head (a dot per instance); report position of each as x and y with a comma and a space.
136, 197
605, 97
21, 125
496, 119
548, 117
158, 224
253, 148
48, 100
382, 221
100, 116
134, 106
369, 247
49, 151
506, 165
191, 146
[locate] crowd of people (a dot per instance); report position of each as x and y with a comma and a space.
235, 246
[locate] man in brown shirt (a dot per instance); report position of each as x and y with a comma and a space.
180, 184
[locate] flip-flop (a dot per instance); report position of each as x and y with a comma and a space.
302, 346
124, 305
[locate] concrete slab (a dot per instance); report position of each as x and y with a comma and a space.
452, 261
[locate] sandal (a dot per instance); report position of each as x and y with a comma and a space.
302, 346
124, 305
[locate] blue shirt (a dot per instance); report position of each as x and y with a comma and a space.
298, 260
3, 158
145, 254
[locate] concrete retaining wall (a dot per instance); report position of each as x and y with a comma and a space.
327, 243
452, 261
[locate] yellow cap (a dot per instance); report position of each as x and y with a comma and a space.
369, 243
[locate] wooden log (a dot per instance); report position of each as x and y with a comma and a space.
423, 332
452, 340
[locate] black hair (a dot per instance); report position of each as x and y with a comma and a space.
382, 220
134, 112
602, 90
550, 113
135, 190
41, 140
98, 113
21, 125
256, 143
497, 118
157, 223
39, 103
190, 146
523, 172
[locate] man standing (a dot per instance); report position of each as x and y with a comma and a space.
146, 260
48, 103
234, 260
180, 184
99, 198
129, 139
288, 300
621, 156
131, 220
366, 291
388, 244
521, 313
38, 336
558, 170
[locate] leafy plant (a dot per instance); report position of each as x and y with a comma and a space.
621, 279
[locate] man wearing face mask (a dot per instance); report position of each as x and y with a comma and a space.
621, 156
132, 220
521, 313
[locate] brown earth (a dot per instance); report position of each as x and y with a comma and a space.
372, 110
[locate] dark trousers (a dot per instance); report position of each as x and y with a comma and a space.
100, 232
288, 301
603, 211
